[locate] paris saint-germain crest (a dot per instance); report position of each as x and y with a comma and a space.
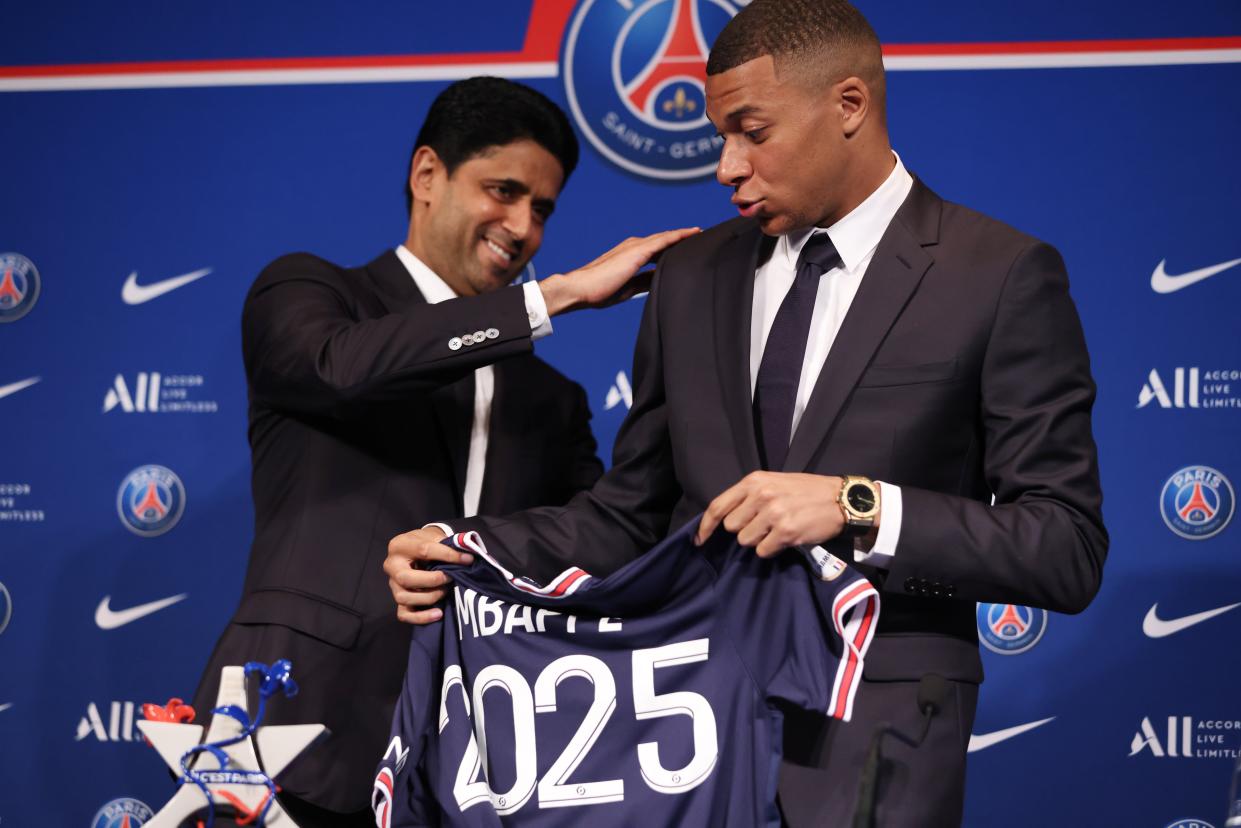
125, 812
19, 286
1197, 502
1009, 629
634, 75
150, 500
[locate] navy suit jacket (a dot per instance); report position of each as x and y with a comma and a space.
960, 373
360, 415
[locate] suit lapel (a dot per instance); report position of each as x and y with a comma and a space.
454, 411
894, 273
453, 404
394, 287
734, 297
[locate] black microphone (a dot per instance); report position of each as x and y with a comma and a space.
932, 691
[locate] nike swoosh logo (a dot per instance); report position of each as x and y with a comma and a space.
1155, 627
13, 388
1163, 282
4, 707
986, 740
133, 293
108, 619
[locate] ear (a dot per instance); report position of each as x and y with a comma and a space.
853, 99
425, 170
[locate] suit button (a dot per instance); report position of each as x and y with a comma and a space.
480, 336
937, 590
454, 344
492, 333
468, 339
911, 585
950, 591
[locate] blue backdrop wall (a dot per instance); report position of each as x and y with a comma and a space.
161, 141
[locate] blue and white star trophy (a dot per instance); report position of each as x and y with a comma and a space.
224, 768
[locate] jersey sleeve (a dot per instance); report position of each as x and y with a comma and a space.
809, 620
400, 796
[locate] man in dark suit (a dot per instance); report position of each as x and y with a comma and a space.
850, 327
398, 392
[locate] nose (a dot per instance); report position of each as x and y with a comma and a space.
518, 219
733, 167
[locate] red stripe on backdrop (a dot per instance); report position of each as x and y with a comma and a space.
1167, 44
548, 19
542, 44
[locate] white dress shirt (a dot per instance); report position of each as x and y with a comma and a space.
436, 290
855, 236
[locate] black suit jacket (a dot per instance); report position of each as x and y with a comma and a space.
360, 416
960, 372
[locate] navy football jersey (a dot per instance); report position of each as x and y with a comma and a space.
650, 696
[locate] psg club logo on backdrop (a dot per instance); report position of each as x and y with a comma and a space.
634, 76
19, 286
1197, 502
1190, 823
150, 500
1009, 629
125, 812
6, 607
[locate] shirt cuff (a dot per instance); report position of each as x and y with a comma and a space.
536, 311
443, 527
884, 550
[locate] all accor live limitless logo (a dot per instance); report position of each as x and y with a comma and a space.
1192, 388
151, 392
1186, 739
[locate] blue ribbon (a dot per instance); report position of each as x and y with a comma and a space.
277, 678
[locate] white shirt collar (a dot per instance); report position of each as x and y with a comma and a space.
432, 287
858, 233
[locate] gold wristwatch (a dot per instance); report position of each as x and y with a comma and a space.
859, 500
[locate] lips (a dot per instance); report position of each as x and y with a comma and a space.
745, 207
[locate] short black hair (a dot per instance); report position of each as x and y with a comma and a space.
475, 114
822, 34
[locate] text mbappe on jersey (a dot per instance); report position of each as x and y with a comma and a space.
488, 616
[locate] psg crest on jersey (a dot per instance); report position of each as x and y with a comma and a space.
1197, 502
19, 286
1009, 629
150, 500
634, 77
125, 812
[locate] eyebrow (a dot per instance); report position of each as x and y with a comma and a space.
740, 111
511, 183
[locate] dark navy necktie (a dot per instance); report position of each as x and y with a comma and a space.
775, 390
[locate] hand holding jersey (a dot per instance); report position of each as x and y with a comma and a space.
773, 511
415, 587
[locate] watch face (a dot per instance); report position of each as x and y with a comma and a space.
860, 498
